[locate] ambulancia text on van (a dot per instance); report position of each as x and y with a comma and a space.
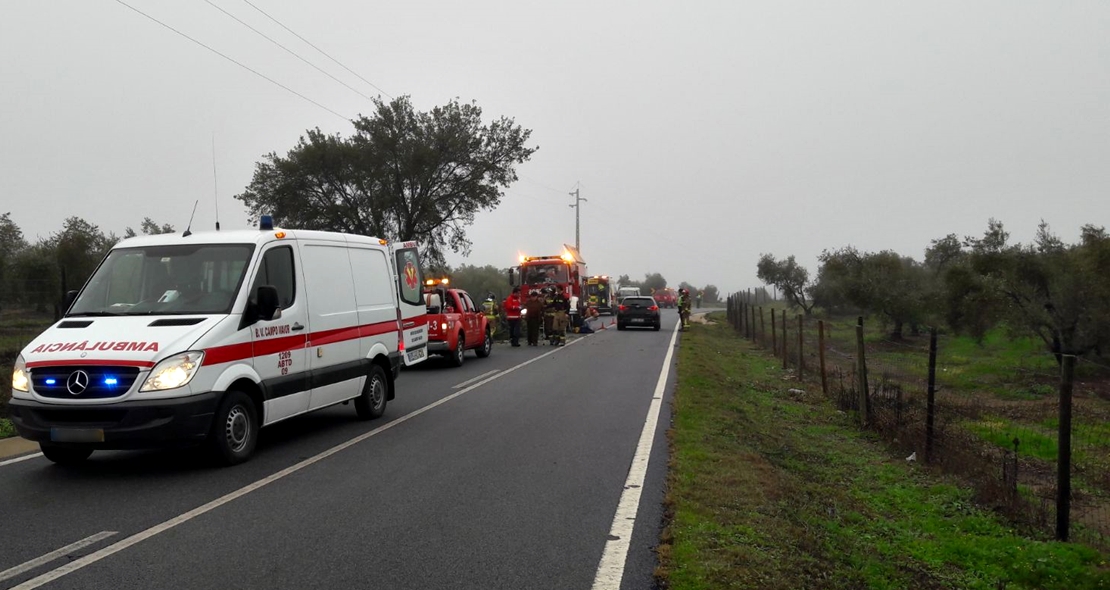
181, 339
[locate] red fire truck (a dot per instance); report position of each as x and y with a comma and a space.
455, 323
566, 273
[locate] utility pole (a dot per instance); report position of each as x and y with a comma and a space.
577, 215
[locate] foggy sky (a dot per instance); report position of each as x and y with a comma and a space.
702, 133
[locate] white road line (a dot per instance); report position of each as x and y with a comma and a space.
141, 536
610, 570
18, 459
45, 559
478, 378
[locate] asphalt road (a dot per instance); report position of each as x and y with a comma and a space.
512, 481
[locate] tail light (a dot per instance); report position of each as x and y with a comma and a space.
623, 308
653, 308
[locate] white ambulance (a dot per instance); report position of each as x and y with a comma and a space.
180, 339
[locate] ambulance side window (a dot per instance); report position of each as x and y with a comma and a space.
277, 270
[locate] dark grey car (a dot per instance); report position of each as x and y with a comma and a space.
641, 312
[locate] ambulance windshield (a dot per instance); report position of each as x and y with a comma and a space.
166, 280
539, 274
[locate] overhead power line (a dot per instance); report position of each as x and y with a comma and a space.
240, 64
287, 50
310, 44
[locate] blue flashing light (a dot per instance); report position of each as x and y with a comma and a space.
51, 381
266, 223
110, 381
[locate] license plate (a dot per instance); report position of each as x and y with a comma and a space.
77, 435
415, 356
637, 320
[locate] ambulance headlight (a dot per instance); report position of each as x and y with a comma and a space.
173, 372
21, 377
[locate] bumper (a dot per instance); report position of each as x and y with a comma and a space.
439, 347
126, 425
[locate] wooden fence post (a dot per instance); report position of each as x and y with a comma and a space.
785, 342
801, 347
752, 330
1063, 455
931, 408
821, 355
762, 328
861, 370
774, 335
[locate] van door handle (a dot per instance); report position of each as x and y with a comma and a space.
297, 326
408, 324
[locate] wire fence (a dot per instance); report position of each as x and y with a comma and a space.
26, 310
1004, 415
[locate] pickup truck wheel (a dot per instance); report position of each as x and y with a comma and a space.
460, 352
64, 455
234, 429
487, 346
371, 404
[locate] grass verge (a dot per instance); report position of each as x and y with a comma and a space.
6, 428
770, 488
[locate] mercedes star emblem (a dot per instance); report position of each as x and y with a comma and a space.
77, 383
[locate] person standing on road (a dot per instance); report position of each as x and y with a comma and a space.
533, 315
512, 307
559, 319
549, 314
699, 300
683, 308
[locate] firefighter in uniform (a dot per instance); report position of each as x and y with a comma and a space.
533, 315
560, 320
548, 313
684, 308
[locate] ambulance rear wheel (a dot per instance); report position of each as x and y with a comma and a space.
487, 346
459, 355
234, 429
65, 455
371, 404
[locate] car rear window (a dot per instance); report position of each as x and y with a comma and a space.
644, 301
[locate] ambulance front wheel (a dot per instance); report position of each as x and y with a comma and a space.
64, 455
234, 429
371, 404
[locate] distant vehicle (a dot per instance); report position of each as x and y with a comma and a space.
181, 339
623, 292
638, 311
455, 323
666, 297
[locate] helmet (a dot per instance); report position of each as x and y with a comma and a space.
534, 292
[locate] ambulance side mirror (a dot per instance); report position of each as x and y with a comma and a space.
268, 305
67, 303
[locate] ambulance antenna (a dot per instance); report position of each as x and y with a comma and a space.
215, 183
188, 231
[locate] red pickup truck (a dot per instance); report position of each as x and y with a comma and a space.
455, 323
